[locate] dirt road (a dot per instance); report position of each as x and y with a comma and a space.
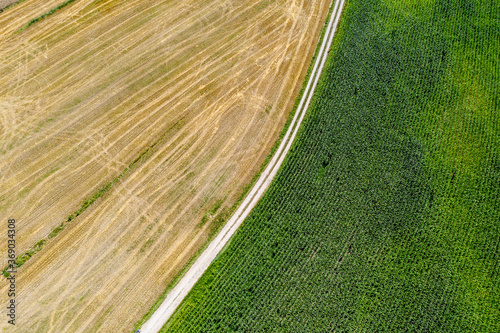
162, 110
6, 3
177, 294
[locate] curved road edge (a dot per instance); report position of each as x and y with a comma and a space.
186, 283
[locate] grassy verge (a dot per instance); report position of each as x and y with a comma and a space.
50, 12
21, 259
385, 216
221, 218
11, 5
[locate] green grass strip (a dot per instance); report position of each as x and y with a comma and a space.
11, 5
21, 259
385, 217
50, 12
223, 216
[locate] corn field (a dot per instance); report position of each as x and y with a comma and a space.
386, 214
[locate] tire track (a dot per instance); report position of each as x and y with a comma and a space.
182, 288
110, 239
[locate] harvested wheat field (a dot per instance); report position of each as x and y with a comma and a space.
129, 129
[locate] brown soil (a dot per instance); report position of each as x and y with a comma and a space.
6, 3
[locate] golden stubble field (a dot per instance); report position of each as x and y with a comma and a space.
172, 104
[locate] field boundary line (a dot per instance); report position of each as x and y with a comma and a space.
187, 282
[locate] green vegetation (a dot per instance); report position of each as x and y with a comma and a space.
223, 216
50, 12
208, 215
21, 259
385, 215
11, 5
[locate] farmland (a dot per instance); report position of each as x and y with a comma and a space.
385, 215
129, 130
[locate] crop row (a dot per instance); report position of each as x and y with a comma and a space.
385, 216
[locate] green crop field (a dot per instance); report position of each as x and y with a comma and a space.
386, 213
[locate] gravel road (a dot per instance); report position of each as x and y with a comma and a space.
177, 294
